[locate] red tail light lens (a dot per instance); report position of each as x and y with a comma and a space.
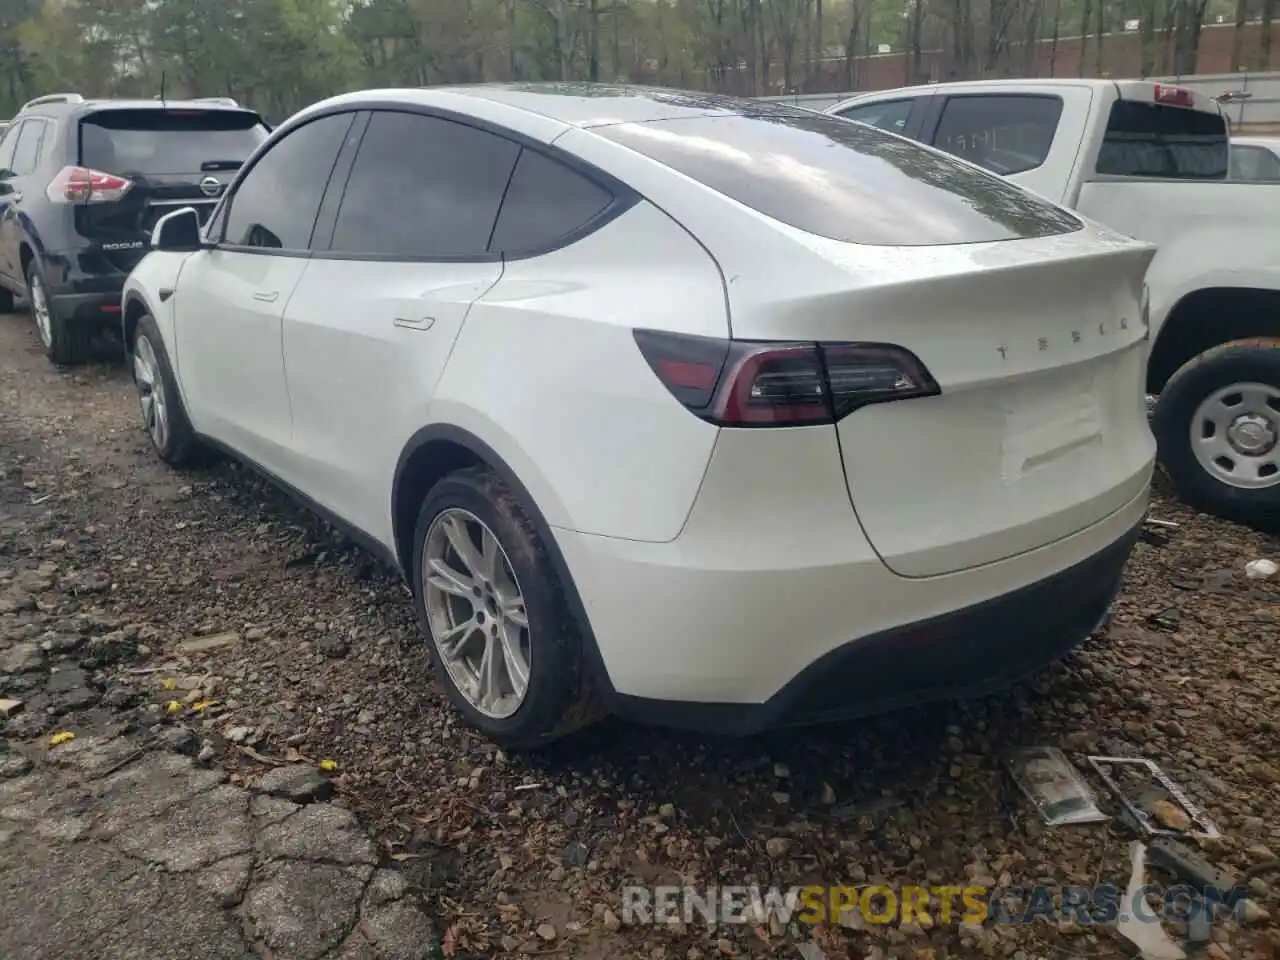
1174, 96
82, 185
737, 383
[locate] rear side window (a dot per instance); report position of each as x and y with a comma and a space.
545, 202
423, 188
276, 203
1004, 134
1254, 163
153, 141
888, 115
7, 145
843, 180
1171, 143
27, 152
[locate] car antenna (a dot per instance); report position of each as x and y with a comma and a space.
163, 104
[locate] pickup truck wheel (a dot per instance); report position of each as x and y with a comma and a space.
1218, 425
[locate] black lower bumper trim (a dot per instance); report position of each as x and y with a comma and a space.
962, 654
88, 308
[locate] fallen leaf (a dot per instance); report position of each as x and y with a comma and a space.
203, 705
328, 765
173, 706
62, 737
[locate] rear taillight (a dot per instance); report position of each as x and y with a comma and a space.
738, 383
82, 185
1174, 96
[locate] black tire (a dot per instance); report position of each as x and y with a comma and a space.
1238, 362
179, 446
559, 698
6, 300
68, 344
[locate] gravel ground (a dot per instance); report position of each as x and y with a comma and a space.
309, 649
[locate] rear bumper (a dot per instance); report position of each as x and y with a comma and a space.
771, 608
966, 653
89, 309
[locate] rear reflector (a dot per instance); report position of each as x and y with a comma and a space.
737, 383
82, 185
1174, 96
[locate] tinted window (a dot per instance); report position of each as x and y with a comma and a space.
1254, 163
27, 153
423, 187
6, 147
275, 205
545, 201
1004, 134
171, 141
843, 180
1154, 140
888, 115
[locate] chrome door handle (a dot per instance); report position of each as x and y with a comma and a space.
267, 296
423, 323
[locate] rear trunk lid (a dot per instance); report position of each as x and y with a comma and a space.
1039, 429
173, 157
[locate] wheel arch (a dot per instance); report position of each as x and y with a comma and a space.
437, 450
135, 308
1207, 318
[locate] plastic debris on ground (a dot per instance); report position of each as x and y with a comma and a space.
1261, 569
1055, 787
1150, 938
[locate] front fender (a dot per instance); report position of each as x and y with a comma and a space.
157, 271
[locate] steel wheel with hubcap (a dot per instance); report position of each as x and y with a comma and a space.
40, 310
476, 613
1218, 424
148, 379
1235, 434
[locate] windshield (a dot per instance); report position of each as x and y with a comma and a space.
154, 141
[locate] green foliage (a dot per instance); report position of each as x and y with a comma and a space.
279, 55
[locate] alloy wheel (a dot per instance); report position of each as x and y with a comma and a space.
476, 613
40, 309
1235, 435
150, 385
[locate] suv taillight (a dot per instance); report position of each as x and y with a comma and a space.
82, 185
740, 383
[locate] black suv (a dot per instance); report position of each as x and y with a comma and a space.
82, 183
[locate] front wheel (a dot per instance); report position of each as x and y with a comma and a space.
506, 648
1218, 425
163, 415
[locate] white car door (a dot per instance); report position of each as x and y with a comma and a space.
230, 300
368, 331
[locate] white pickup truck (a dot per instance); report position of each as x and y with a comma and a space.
1151, 161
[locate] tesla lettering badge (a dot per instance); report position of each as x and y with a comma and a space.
209, 186
1075, 336
1004, 352
1124, 323
1102, 329
1044, 343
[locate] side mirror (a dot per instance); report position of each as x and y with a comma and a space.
178, 232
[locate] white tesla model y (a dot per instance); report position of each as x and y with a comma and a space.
703, 411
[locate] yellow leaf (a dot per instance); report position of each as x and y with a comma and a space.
169, 683
203, 705
173, 706
62, 737
328, 764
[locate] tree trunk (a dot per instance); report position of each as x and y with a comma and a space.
851, 45
1085, 10
1147, 37
817, 21
593, 41
1237, 35
1101, 24
1264, 51
1053, 43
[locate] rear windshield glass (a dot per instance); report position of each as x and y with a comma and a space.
843, 180
1171, 143
168, 141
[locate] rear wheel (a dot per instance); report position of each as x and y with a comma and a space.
64, 343
506, 649
1218, 425
163, 415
